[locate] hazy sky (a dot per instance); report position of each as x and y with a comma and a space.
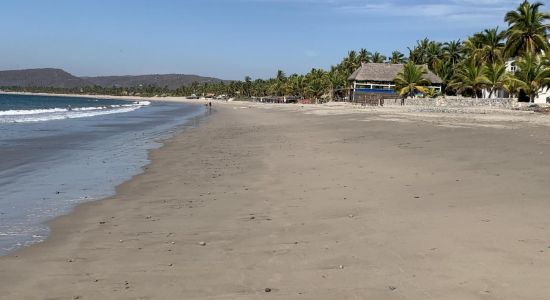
225, 38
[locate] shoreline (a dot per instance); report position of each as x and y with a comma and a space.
68, 190
129, 98
347, 204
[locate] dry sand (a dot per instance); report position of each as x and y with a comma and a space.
313, 202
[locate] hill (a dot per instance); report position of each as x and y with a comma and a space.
41, 78
58, 78
173, 81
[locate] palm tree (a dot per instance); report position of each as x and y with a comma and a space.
493, 45
473, 48
411, 80
279, 83
418, 53
397, 58
511, 85
486, 46
377, 57
496, 75
317, 84
260, 88
281, 76
434, 53
247, 86
532, 75
453, 51
470, 77
527, 29
338, 81
364, 56
350, 63
445, 71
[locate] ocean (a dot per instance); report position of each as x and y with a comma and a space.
57, 152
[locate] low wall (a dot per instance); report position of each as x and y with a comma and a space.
373, 99
457, 102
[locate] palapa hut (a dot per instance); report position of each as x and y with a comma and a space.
376, 80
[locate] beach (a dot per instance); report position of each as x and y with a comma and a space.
313, 202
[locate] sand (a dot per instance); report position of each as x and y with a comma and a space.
315, 202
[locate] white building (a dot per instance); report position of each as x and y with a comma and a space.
543, 95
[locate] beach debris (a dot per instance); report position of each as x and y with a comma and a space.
70, 260
267, 290
351, 215
202, 243
252, 218
392, 288
148, 217
121, 241
416, 197
102, 222
341, 267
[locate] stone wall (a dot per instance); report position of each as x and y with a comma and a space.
373, 99
457, 102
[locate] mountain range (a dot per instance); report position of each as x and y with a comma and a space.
50, 77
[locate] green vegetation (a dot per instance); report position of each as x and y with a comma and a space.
465, 67
469, 78
527, 30
532, 75
410, 80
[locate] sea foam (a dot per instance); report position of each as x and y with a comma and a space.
40, 115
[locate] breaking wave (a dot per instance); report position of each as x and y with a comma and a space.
40, 115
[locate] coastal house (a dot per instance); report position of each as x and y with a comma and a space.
542, 97
543, 94
376, 81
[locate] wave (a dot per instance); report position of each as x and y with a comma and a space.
40, 115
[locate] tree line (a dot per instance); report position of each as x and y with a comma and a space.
465, 67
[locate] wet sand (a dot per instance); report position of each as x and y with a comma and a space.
312, 205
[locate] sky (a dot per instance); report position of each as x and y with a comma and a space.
228, 39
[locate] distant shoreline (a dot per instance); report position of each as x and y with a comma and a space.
128, 98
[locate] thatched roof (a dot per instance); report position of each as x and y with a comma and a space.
386, 72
